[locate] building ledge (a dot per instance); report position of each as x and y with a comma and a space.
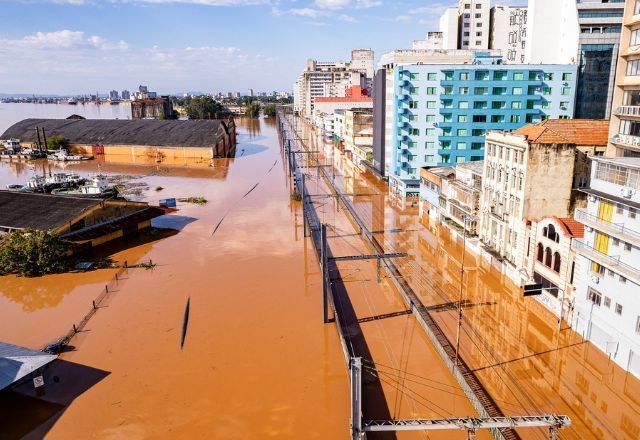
616, 230
610, 262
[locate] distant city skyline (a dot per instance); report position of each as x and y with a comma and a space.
177, 46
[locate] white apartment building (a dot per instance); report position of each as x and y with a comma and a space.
552, 32
608, 296
625, 114
509, 32
332, 79
474, 24
449, 28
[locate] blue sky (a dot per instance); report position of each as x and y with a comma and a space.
80, 46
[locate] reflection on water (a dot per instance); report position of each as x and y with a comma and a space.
512, 342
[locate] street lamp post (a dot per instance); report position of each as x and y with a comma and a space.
464, 248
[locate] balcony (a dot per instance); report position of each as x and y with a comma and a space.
626, 140
610, 262
616, 230
404, 83
628, 110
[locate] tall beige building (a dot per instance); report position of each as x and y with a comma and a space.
474, 24
625, 116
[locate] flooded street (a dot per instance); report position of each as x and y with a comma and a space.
258, 362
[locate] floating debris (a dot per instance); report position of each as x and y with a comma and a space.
185, 323
194, 200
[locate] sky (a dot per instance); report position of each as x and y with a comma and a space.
175, 46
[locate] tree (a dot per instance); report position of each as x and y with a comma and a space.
205, 107
253, 109
270, 110
30, 252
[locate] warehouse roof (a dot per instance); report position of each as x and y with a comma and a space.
570, 131
177, 133
20, 210
17, 362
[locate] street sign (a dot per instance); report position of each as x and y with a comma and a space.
38, 381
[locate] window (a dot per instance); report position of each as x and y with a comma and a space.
446, 117
414, 75
547, 257
633, 66
447, 103
431, 118
534, 76
479, 118
636, 8
414, 90
499, 75
497, 105
632, 212
518, 76
463, 104
480, 91
413, 104
567, 76
607, 302
635, 37
497, 118
464, 90
429, 145
616, 242
514, 119
566, 91
594, 296
461, 146
432, 76
546, 105
462, 118
476, 146
618, 309
429, 158
556, 262
414, 132
540, 252
622, 279
619, 208
638, 320
564, 105
430, 132
517, 90
448, 75
446, 145
627, 247
464, 76
479, 105
431, 104
499, 90
516, 105
448, 90
549, 77
431, 91
462, 132
547, 90
478, 131
446, 131
482, 75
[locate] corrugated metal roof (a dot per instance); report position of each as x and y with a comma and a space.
170, 133
19, 210
17, 362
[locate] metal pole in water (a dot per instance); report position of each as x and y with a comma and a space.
325, 272
355, 368
304, 207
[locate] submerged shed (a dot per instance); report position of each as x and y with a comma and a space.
17, 362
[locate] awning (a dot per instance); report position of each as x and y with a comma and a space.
18, 362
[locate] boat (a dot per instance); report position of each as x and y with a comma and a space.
72, 101
114, 101
55, 181
64, 156
97, 188
16, 187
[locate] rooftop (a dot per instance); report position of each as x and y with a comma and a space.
441, 171
190, 133
573, 228
17, 362
568, 131
20, 210
475, 166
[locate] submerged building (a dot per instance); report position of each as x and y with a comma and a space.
191, 139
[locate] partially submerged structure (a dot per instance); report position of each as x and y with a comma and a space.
85, 222
18, 362
190, 139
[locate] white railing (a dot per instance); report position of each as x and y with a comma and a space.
626, 139
628, 110
608, 261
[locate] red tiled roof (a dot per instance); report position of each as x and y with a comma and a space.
571, 131
574, 227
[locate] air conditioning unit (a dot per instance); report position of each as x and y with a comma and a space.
595, 279
592, 198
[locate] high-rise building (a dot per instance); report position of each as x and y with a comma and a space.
607, 308
250, 93
552, 32
449, 28
332, 79
509, 32
113, 95
600, 26
126, 95
438, 114
625, 109
474, 24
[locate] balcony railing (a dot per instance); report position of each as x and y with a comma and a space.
628, 110
626, 139
608, 261
618, 230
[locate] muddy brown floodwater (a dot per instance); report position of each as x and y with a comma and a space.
257, 361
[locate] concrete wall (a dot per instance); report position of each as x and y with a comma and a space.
552, 37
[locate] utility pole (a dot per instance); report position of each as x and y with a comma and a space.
355, 370
464, 247
325, 272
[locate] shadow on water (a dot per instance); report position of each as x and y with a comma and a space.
172, 222
29, 413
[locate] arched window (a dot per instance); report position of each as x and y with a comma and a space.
547, 257
544, 231
540, 252
557, 238
551, 232
556, 262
